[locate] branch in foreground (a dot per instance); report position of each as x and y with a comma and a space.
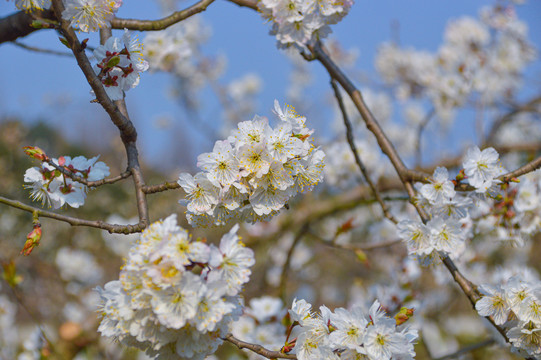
360, 164
73, 221
258, 349
154, 25
79, 179
19, 24
529, 167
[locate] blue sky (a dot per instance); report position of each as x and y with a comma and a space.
37, 86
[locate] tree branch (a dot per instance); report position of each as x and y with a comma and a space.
358, 161
285, 267
252, 4
468, 349
79, 179
73, 221
529, 167
258, 349
154, 25
19, 24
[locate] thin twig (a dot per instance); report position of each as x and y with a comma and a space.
525, 169
530, 106
358, 161
73, 221
258, 349
41, 50
422, 126
79, 179
468, 349
362, 247
155, 25
285, 267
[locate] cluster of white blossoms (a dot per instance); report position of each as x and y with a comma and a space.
176, 297
251, 175
478, 57
516, 305
53, 188
448, 210
352, 334
90, 15
300, 22
120, 61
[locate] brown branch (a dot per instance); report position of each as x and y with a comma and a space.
530, 106
405, 174
362, 247
529, 167
468, 349
154, 25
422, 126
116, 110
151, 189
258, 349
19, 24
125, 126
73, 221
43, 51
358, 161
79, 179
252, 4
285, 267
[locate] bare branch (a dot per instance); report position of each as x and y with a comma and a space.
285, 268
79, 179
19, 24
258, 349
529, 167
43, 51
73, 221
154, 25
418, 147
358, 161
151, 189
252, 4
468, 349
530, 106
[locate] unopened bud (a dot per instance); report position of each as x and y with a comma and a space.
35, 152
32, 240
403, 315
460, 176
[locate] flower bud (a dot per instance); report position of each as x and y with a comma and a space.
32, 240
35, 152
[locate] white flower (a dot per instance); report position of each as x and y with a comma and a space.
350, 328
202, 193
493, 303
440, 187
382, 341
232, 261
481, 167
89, 15
120, 63
417, 237
221, 164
